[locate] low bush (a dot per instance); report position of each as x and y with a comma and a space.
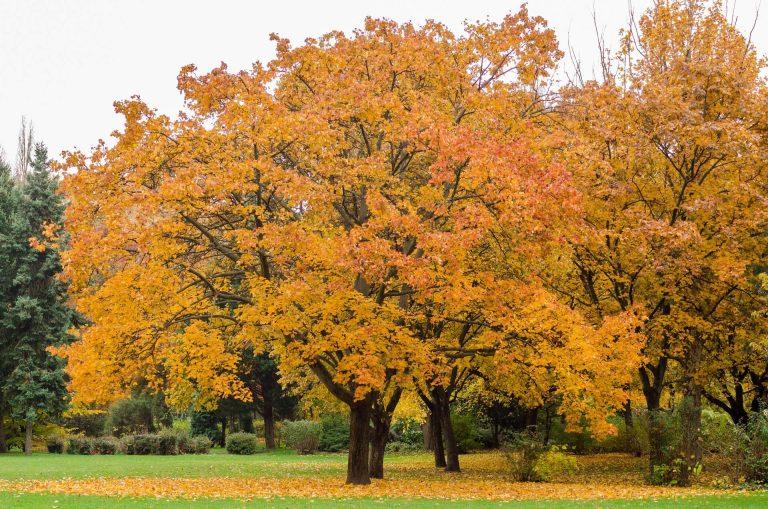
403, 447
55, 444
200, 444
302, 436
407, 432
465, 429
79, 445
103, 445
554, 463
243, 443
129, 416
144, 444
334, 436
522, 454
168, 442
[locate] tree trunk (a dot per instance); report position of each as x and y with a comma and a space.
378, 443
246, 422
652, 390
223, 436
359, 442
426, 432
3, 443
690, 439
437, 437
28, 428
451, 448
269, 425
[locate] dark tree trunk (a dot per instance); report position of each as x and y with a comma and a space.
223, 436
3, 443
28, 428
690, 439
359, 426
495, 432
268, 415
653, 387
437, 437
426, 432
246, 422
382, 420
441, 398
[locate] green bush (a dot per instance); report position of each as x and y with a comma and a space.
145, 444
200, 444
403, 447
55, 444
408, 431
302, 436
554, 463
129, 416
79, 445
465, 430
754, 448
168, 442
103, 445
243, 443
522, 454
334, 436
205, 423
90, 424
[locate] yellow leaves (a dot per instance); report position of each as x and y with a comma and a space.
605, 477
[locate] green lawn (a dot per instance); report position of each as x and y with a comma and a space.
216, 464
27, 501
284, 464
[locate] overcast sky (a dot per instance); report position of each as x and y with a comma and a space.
63, 62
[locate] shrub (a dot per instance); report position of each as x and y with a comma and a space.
243, 443
103, 445
466, 432
522, 454
204, 423
303, 436
402, 447
79, 445
408, 432
129, 416
168, 442
554, 463
144, 444
754, 448
89, 423
55, 444
200, 444
334, 436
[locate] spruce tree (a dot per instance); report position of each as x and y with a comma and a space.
8, 203
35, 316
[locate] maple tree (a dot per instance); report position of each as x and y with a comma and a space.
362, 207
669, 151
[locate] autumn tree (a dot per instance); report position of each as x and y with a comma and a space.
361, 207
669, 151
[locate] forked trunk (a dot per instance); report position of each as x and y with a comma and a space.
449, 439
359, 438
437, 434
378, 444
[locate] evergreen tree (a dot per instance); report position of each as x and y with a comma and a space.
35, 315
8, 202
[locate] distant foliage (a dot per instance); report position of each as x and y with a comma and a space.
243, 443
302, 436
334, 436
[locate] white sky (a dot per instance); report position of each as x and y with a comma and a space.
63, 62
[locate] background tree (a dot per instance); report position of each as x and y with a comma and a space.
37, 317
669, 151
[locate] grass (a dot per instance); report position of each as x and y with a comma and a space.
218, 464
35, 501
605, 472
